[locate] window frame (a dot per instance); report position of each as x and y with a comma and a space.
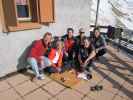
27, 25
23, 19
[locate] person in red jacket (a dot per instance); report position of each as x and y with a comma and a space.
54, 60
37, 52
69, 44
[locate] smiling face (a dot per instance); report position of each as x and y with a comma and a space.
86, 43
59, 45
70, 34
47, 39
97, 33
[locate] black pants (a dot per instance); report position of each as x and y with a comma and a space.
69, 57
68, 61
51, 70
101, 52
79, 68
54, 70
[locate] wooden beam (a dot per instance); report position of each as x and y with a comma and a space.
2, 18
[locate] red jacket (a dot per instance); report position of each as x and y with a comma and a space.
52, 55
38, 49
69, 43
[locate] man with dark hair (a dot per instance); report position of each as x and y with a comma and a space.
39, 50
98, 42
69, 42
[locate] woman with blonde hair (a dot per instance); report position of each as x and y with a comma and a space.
54, 60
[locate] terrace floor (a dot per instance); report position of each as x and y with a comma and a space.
114, 71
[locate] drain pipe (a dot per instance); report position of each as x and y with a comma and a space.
97, 12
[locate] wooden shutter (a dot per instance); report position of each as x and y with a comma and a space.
9, 10
33, 8
46, 11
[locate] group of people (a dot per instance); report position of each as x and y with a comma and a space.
67, 53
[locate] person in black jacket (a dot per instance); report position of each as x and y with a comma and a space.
85, 56
98, 42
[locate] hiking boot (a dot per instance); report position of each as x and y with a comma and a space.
89, 76
96, 88
40, 77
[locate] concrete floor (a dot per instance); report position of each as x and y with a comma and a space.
114, 71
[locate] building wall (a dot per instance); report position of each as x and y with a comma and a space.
0, 19
0, 25
13, 45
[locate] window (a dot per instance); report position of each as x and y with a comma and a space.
23, 10
27, 14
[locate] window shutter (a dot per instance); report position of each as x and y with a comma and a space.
46, 11
9, 12
34, 13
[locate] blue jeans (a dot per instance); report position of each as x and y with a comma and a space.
45, 62
33, 62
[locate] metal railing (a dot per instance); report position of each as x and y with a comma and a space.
124, 40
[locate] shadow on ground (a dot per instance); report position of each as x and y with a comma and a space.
114, 69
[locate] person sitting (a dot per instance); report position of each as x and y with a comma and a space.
53, 62
79, 38
99, 43
78, 44
69, 42
38, 50
85, 56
